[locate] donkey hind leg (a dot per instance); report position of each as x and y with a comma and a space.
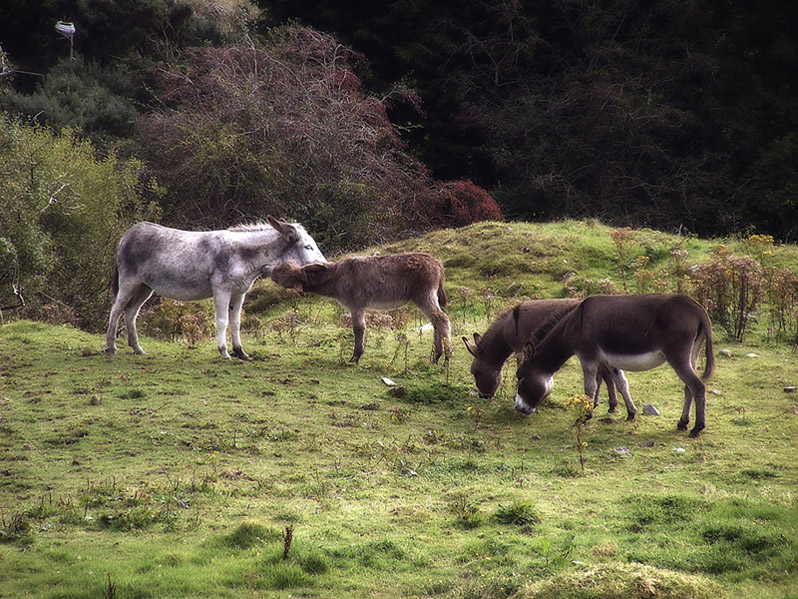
622, 385
612, 396
221, 303
113, 324
359, 327
443, 342
132, 313
694, 389
235, 326
128, 302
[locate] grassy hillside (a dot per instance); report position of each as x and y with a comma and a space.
175, 474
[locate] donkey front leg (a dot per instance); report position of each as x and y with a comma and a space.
221, 302
359, 327
236, 302
611, 394
622, 385
591, 380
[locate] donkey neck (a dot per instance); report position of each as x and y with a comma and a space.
328, 283
494, 344
554, 350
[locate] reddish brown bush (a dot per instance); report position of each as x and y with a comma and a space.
457, 203
283, 128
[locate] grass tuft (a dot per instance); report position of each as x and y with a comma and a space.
518, 513
622, 581
248, 535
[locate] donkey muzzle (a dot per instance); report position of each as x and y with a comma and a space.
522, 407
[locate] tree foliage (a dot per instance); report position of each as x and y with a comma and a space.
62, 211
668, 114
283, 127
98, 101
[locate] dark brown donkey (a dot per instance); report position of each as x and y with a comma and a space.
379, 283
508, 334
634, 332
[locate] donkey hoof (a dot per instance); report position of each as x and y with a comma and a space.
110, 351
354, 359
682, 426
631, 416
241, 354
694, 434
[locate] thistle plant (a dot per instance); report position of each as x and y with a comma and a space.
680, 268
447, 354
582, 406
475, 413
624, 239
762, 246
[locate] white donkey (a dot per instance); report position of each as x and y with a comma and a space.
194, 265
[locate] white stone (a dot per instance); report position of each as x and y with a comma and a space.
650, 410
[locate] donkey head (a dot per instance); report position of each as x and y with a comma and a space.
487, 376
534, 384
292, 276
288, 274
300, 246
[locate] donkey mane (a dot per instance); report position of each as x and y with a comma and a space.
495, 330
547, 326
251, 227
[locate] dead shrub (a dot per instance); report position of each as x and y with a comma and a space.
781, 294
730, 288
174, 320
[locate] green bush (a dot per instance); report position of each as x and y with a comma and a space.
62, 211
518, 513
75, 94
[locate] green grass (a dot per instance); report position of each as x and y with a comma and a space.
175, 474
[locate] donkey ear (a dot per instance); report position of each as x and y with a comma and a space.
472, 349
316, 268
529, 352
285, 230
299, 287
516, 317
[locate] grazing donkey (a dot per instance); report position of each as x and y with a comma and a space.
376, 282
188, 265
631, 332
508, 334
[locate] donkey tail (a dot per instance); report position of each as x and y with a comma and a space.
710, 364
115, 281
442, 298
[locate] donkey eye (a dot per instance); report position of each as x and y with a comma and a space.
308, 247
